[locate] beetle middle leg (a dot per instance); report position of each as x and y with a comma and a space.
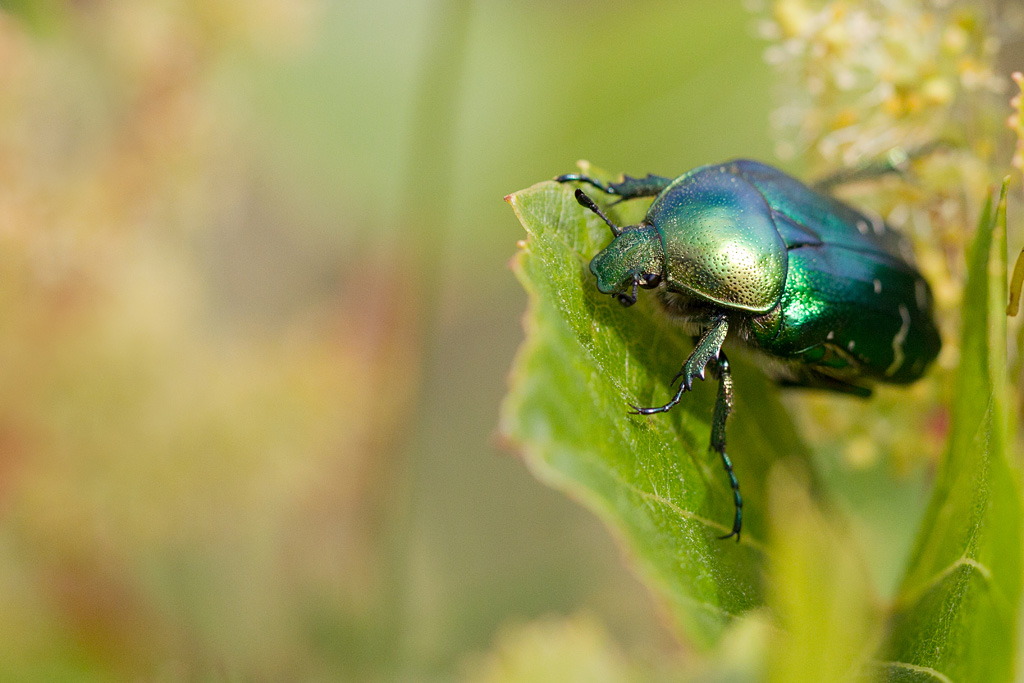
723, 406
708, 351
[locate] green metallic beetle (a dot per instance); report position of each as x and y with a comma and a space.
827, 295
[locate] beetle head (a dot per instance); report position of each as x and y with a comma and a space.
635, 258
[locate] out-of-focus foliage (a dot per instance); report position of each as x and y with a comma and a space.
176, 478
1015, 121
575, 650
241, 439
820, 591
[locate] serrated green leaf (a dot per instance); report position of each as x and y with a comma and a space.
955, 616
652, 479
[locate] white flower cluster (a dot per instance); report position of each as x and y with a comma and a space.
865, 76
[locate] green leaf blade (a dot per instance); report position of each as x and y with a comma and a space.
956, 612
653, 480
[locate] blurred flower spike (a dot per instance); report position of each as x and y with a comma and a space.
864, 77
1016, 122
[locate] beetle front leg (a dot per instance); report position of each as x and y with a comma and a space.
708, 347
723, 406
627, 188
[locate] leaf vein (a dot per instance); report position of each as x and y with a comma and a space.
917, 592
937, 675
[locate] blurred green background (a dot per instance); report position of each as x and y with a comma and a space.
256, 319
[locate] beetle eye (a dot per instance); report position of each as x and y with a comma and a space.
626, 300
651, 280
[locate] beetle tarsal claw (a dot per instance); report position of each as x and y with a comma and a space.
637, 410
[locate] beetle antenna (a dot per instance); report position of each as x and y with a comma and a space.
588, 203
